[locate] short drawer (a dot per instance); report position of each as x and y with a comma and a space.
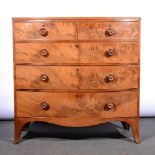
108, 77
44, 31
46, 53
108, 52
108, 30
71, 53
46, 77
77, 105
77, 77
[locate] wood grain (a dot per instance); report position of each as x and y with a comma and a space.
58, 53
60, 77
125, 77
82, 77
96, 30
78, 105
124, 52
56, 31
81, 53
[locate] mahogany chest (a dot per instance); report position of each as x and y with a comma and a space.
76, 71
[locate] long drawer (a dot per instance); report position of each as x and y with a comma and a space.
77, 77
82, 53
77, 105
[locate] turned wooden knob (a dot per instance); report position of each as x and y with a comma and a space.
109, 106
44, 105
109, 78
43, 32
110, 52
110, 32
44, 52
44, 77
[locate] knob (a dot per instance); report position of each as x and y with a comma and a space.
43, 31
44, 52
110, 52
109, 78
110, 32
44, 77
109, 105
44, 105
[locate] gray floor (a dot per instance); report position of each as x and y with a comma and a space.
107, 139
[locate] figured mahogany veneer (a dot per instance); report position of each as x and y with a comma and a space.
77, 105
77, 53
108, 30
77, 77
52, 30
76, 72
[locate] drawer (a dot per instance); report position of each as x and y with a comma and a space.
44, 31
108, 30
80, 77
109, 52
46, 77
95, 53
46, 53
77, 105
108, 77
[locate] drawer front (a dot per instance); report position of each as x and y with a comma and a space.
82, 77
96, 53
109, 52
77, 105
46, 77
44, 31
46, 53
108, 30
108, 77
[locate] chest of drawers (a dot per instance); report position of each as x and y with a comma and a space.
76, 71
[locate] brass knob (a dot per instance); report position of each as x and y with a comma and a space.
44, 105
43, 31
109, 78
44, 52
44, 77
109, 105
110, 52
110, 32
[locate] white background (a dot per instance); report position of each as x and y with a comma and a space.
65, 8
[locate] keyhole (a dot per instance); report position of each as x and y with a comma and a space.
77, 69
77, 46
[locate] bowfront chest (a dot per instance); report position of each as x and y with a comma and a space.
76, 71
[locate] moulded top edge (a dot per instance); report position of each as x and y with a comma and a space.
22, 19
